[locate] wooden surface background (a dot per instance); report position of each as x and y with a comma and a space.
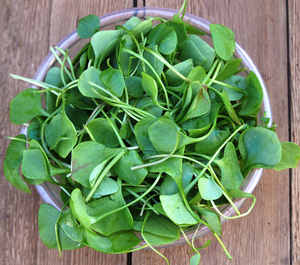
269, 32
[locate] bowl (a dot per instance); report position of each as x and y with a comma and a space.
50, 193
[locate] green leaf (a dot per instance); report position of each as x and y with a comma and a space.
77, 116
61, 134
69, 225
107, 186
104, 42
213, 142
189, 28
86, 157
197, 74
236, 81
209, 189
240, 194
196, 125
263, 149
90, 75
113, 80
155, 63
134, 86
95, 241
205, 50
14, 178
200, 106
126, 62
115, 222
184, 68
34, 130
79, 210
74, 97
229, 69
123, 168
150, 87
20, 112
254, 95
103, 132
230, 110
173, 167
195, 259
212, 219
232, 177
53, 77
14, 152
159, 230
190, 50
34, 165
180, 30
146, 103
163, 135
165, 37
126, 131
123, 241
142, 29
132, 23
88, 26
223, 40
176, 210
142, 136
290, 156
169, 185
47, 218
82, 51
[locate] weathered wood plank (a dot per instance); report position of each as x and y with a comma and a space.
263, 236
294, 56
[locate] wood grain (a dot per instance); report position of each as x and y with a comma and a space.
263, 236
294, 56
28, 28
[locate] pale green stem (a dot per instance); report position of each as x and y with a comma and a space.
104, 172
132, 202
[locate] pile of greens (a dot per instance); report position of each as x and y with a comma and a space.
147, 131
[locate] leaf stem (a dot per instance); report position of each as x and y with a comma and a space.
159, 161
59, 60
237, 216
153, 70
142, 200
164, 61
142, 233
56, 228
115, 129
193, 183
65, 53
132, 202
240, 90
210, 72
104, 172
60, 163
215, 74
224, 248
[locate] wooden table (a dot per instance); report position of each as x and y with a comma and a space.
269, 32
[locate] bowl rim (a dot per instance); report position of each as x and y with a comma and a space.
72, 37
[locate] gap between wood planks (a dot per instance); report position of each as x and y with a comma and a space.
290, 125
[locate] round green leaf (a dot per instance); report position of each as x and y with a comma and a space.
88, 26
